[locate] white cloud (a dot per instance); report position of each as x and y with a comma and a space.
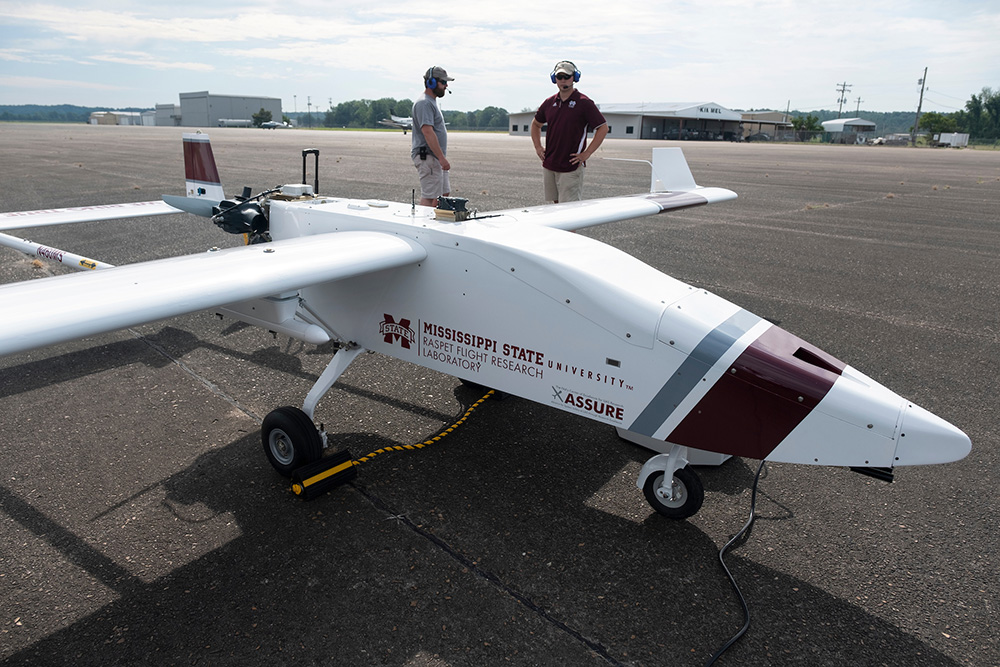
740, 53
47, 84
141, 59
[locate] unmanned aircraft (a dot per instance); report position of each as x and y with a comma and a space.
511, 300
274, 125
398, 122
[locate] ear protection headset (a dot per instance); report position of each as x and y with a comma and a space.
430, 81
576, 72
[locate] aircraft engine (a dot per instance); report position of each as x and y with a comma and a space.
241, 215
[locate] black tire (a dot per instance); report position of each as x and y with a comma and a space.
689, 489
290, 440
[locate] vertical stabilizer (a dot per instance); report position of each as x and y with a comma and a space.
201, 175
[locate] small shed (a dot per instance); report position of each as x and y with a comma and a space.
849, 130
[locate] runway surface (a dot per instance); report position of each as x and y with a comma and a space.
141, 524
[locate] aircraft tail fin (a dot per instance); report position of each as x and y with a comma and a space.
202, 185
200, 173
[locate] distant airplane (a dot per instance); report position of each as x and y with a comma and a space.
274, 125
398, 122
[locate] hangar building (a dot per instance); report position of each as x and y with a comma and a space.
683, 120
203, 109
121, 118
849, 130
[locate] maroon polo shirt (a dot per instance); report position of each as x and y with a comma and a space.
568, 123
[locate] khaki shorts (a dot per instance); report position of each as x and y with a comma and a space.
433, 179
563, 186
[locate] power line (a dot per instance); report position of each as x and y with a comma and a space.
938, 92
935, 102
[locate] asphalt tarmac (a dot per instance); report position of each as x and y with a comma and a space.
141, 524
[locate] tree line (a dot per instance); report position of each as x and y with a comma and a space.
368, 113
980, 119
59, 113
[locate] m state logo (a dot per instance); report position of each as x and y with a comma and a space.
393, 331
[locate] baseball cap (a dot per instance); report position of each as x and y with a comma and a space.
438, 73
564, 67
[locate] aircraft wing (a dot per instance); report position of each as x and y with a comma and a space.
59, 216
588, 213
54, 310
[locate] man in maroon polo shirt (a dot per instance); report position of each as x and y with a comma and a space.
569, 115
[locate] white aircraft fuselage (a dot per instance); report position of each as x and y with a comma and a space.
569, 322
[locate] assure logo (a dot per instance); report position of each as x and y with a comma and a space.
397, 331
587, 404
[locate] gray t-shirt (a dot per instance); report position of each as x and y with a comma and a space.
426, 112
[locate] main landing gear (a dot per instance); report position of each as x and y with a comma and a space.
291, 440
670, 485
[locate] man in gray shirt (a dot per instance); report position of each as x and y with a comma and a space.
430, 139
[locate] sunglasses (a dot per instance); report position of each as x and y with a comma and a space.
563, 77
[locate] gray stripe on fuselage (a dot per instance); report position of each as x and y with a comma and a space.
704, 356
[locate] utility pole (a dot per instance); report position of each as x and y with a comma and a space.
857, 111
843, 89
920, 104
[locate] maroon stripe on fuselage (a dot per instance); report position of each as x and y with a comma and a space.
199, 162
761, 397
671, 201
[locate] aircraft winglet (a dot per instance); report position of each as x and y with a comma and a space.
670, 172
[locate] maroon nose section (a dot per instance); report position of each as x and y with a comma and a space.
761, 398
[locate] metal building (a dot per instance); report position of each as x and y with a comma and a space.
203, 109
849, 130
121, 118
168, 115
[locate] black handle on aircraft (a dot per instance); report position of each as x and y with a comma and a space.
305, 152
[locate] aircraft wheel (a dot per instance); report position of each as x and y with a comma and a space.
290, 440
688, 494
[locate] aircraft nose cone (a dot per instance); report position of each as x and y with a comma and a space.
926, 438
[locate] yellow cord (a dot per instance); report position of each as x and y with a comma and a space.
421, 445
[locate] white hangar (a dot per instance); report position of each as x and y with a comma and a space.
849, 130
645, 120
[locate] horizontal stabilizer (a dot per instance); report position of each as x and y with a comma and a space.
61, 216
195, 205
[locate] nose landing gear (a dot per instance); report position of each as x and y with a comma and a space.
670, 485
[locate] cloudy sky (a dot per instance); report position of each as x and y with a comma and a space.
741, 54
